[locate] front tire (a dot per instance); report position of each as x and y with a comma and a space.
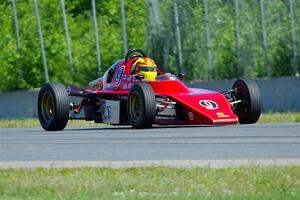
53, 106
141, 106
249, 109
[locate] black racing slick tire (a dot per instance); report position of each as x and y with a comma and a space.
249, 109
53, 106
141, 106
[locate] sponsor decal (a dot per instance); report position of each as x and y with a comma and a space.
106, 112
191, 116
129, 85
221, 114
110, 111
208, 104
119, 75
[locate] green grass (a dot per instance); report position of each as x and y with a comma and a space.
252, 182
33, 123
279, 117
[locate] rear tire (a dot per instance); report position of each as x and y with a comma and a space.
249, 110
53, 106
141, 106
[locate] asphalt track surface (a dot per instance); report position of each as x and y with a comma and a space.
168, 145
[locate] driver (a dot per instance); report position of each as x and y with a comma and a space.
145, 67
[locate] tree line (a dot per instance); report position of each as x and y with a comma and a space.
154, 32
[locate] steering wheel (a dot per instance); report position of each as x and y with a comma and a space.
129, 53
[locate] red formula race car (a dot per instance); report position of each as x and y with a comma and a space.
133, 91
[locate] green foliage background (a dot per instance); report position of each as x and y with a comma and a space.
22, 68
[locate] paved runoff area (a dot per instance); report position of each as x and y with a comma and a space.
188, 146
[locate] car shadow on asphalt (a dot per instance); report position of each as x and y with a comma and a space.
155, 127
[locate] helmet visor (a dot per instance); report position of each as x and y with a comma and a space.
147, 68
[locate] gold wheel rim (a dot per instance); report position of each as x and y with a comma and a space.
47, 105
135, 106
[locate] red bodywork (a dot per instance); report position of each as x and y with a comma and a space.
200, 105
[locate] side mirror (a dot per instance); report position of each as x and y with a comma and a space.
111, 71
181, 76
110, 75
139, 77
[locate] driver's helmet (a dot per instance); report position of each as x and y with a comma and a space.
146, 67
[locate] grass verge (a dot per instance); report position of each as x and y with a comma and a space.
279, 117
34, 123
251, 182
